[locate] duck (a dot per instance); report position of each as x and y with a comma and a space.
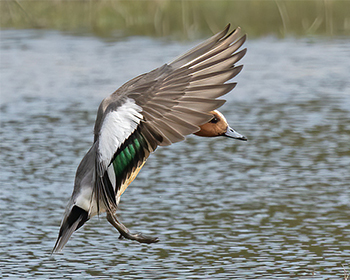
154, 109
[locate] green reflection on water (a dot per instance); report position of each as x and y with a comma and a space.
179, 19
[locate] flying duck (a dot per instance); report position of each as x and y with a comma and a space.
154, 109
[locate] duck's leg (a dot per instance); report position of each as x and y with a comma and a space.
124, 231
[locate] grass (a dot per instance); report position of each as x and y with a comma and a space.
180, 19
346, 274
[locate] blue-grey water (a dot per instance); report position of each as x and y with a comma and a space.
275, 207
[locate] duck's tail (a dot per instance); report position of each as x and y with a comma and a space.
71, 222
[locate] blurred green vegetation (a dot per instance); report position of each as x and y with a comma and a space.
180, 19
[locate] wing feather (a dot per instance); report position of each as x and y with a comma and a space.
164, 106
211, 91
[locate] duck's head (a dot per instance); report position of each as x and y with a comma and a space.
218, 126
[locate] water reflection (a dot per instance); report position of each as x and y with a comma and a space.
272, 208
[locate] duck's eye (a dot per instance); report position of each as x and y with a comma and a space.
214, 120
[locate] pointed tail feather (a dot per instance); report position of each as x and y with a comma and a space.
74, 220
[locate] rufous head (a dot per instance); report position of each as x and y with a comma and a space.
218, 126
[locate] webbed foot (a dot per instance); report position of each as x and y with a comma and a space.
125, 232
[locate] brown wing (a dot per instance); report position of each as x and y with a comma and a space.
176, 98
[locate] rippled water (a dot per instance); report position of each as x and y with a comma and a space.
275, 207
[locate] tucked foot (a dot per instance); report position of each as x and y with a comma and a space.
125, 232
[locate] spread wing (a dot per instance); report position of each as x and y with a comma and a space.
160, 108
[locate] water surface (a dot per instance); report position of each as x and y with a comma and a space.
275, 207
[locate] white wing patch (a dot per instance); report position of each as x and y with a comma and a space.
117, 126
